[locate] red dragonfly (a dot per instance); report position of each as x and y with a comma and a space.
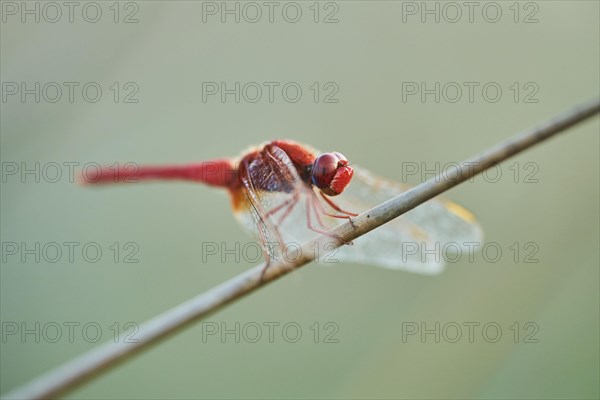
283, 191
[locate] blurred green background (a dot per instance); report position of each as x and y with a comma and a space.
367, 54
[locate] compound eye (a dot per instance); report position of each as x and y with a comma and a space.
324, 169
342, 158
331, 173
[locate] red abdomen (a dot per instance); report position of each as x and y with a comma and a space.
221, 172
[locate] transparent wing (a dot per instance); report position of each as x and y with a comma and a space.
421, 241
278, 211
274, 203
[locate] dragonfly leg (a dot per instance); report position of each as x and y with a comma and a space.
275, 210
288, 205
322, 210
310, 204
314, 204
293, 201
336, 207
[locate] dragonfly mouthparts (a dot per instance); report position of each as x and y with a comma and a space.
341, 179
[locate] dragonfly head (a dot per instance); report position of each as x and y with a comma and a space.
331, 173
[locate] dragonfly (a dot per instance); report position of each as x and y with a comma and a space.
285, 193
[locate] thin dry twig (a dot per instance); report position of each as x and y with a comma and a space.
91, 364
